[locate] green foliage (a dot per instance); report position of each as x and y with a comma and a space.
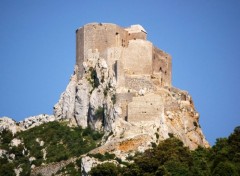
100, 112
7, 169
106, 169
93, 78
60, 142
171, 158
101, 157
225, 169
70, 169
5, 138
114, 99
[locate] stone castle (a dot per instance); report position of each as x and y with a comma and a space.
138, 65
126, 50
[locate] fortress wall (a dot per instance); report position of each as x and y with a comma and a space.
137, 83
98, 36
138, 35
119, 73
124, 99
102, 36
145, 108
111, 55
80, 50
137, 57
162, 67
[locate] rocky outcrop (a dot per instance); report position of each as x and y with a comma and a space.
34, 121
7, 123
87, 163
89, 101
30, 122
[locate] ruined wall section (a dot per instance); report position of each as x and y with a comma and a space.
145, 108
136, 83
136, 32
162, 67
137, 35
123, 99
80, 50
137, 57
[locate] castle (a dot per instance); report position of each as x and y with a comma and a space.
126, 50
139, 66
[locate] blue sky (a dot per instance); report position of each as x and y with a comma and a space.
37, 51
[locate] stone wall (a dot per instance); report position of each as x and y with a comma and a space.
136, 32
162, 67
98, 36
80, 50
145, 108
119, 73
137, 57
138, 82
123, 99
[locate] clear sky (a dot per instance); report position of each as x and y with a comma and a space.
37, 51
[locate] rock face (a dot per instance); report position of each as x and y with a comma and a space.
122, 86
7, 123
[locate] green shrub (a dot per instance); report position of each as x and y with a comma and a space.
5, 138
60, 142
106, 169
100, 112
103, 157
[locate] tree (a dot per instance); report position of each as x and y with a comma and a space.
106, 169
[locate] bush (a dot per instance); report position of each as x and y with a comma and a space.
60, 141
106, 169
101, 157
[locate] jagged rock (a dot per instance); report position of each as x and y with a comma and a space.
82, 103
65, 107
34, 121
15, 142
87, 163
18, 171
7, 123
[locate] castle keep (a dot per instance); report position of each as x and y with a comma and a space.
126, 50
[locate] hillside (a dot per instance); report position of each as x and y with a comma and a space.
119, 102
55, 148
